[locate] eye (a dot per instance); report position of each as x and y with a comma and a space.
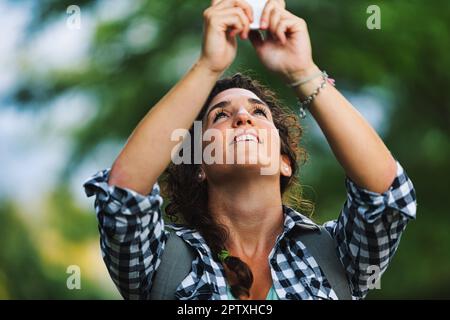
259, 110
219, 114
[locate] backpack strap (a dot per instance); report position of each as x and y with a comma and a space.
177, 257
322, 247
176, 262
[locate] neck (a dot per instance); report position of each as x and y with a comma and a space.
252, 211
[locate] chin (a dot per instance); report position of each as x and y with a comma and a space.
248, 158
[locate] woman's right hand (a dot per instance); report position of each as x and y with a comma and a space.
223, 20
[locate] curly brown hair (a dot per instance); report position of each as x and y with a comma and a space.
188, 197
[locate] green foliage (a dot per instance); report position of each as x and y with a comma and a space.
74, 224
408, 59
24, 274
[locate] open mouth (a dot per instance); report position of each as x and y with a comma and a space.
246, 137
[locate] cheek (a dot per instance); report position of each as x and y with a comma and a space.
266, 124
220, 125
271, 148
274, 145
215, 134
268, 130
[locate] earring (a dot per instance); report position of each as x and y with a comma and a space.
200, 176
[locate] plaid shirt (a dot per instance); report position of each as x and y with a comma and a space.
367, 233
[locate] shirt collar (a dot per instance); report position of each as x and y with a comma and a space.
292, 220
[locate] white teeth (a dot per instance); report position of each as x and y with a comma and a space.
246, 137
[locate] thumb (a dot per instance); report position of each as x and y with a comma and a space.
256, 38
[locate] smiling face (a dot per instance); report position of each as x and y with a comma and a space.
243, 129
189, 188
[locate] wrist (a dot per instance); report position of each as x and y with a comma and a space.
306, 81
203, 65
298, 75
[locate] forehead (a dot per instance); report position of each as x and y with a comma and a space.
232, 94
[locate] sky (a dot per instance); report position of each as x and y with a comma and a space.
34, 146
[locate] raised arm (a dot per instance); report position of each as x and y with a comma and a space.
128, 201
381, 198
357, 147
148, 150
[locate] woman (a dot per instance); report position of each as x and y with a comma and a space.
234, 216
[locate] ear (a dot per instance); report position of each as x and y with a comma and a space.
285, 166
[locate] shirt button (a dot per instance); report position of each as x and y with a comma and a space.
273, 261
289, 295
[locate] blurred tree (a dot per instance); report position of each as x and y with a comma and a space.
62, 212
24, 274
134, 59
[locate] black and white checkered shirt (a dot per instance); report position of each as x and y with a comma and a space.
367, 233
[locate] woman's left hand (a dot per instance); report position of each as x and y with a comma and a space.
287, 49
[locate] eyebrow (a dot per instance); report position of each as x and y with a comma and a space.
226, 103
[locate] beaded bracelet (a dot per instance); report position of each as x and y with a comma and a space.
303, 104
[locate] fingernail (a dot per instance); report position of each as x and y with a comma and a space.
263, 24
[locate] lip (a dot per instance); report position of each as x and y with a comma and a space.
249, 132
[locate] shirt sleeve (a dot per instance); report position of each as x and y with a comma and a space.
369, 227
132, 235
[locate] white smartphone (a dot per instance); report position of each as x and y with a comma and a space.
257, 6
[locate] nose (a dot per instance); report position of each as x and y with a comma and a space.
242, 118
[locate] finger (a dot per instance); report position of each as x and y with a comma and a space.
282, 3
281, 30
265, 16
237, 3
235, 25
245, 23
231, 21
296, 24
274, 19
